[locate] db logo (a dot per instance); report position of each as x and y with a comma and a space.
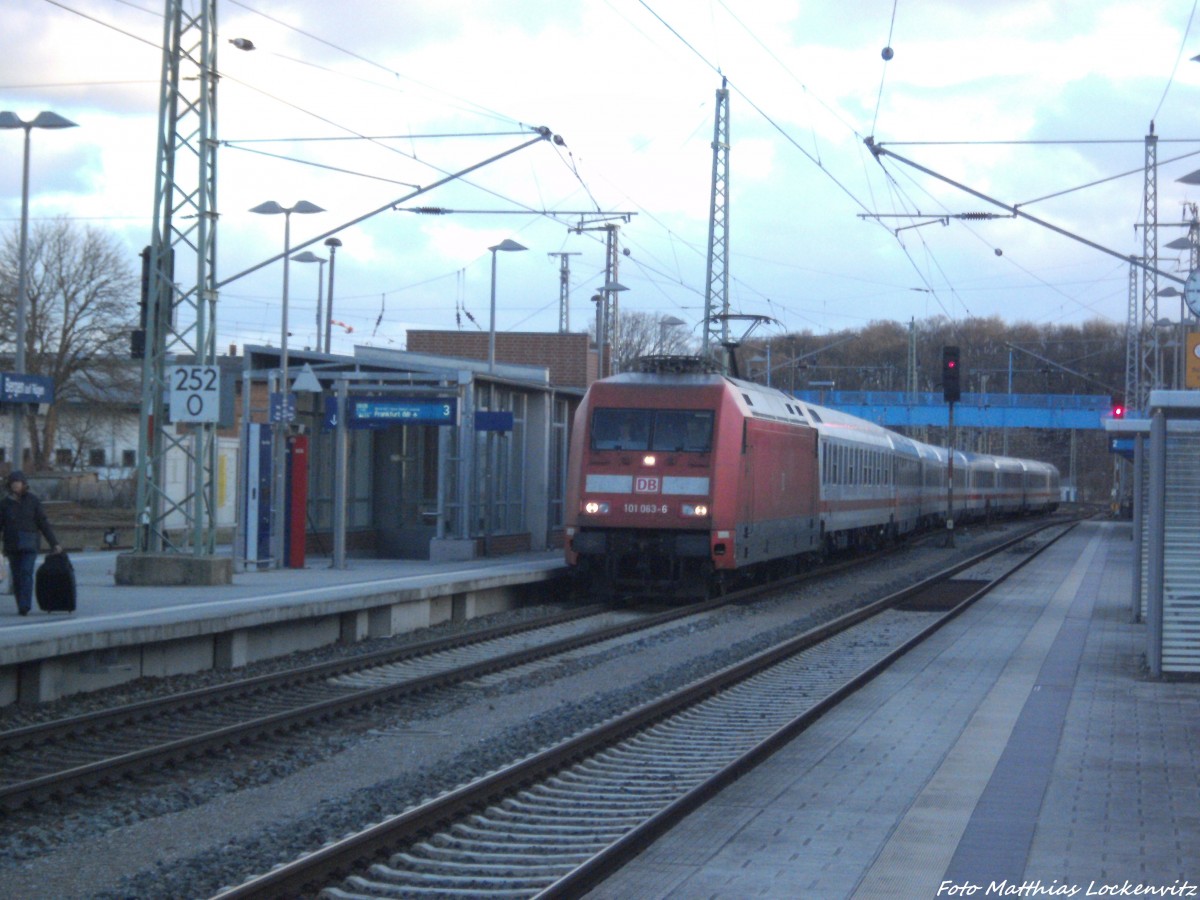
644, 485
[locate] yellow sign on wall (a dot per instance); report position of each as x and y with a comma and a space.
1192, 369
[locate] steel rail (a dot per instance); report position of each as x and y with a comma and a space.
19, 739
27, 739
339, 858
111, 768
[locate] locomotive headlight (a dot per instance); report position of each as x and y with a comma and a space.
648, 460
592, 507
698, 510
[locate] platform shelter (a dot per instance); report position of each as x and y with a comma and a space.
1166, 528
409, 456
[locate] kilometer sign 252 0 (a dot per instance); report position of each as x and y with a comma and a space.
195, 393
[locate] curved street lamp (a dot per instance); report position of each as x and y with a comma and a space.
279, 450
44, 119
308, 256
508, 246
271, 208
332, 243
665, 323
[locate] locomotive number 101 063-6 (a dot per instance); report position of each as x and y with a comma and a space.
646, 508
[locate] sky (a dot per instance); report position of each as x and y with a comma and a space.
352, 105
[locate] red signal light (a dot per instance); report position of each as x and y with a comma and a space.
951, 388
1118, 412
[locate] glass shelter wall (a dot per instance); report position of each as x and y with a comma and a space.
500, 473
320, 483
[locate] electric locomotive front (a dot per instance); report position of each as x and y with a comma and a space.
640, 499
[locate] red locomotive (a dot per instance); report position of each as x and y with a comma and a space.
681, 479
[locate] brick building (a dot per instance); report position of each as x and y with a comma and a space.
570, 357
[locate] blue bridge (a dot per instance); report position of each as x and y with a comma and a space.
894, 408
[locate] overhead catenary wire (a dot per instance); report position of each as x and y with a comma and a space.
572, 163
787, 137
887, 56
314, 37
673, 236
1183, 42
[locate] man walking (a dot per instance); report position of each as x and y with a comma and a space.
21, 518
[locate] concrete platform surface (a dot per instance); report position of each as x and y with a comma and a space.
105, 605
1020, 752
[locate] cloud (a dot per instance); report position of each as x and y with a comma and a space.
633, 101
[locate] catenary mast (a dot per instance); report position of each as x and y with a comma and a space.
716, 293
181, 296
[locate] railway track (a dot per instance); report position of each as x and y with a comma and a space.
556, 822
54, 759
57, 757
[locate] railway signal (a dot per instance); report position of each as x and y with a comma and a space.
951, 385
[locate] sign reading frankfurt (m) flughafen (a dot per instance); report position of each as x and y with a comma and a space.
378, 412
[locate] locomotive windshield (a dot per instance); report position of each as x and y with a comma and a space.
667, 430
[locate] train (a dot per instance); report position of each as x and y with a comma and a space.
683, 482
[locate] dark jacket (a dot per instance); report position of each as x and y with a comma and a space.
23, 514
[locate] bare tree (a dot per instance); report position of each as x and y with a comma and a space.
82, 302
646, 334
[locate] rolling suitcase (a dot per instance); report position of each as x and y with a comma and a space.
54, 584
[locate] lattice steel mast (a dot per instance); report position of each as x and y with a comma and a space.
180, 320
1133, 340
716, 294
1150, 368
564, 290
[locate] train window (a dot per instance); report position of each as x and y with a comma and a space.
686, 430
621, 429
672, 430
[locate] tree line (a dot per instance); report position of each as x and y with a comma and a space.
997, 357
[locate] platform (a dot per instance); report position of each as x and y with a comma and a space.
120, 632
1020, 752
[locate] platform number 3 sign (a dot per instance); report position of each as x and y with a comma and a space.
195, 393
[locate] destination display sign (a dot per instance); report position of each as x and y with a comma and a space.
379, 412
493, 421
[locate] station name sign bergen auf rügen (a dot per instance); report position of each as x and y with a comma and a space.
18, 388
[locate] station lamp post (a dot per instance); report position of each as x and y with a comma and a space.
44, 119
309, 257
280, 430
508, 246
665, 324
332, 243
607, 331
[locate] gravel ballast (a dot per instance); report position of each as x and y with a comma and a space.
214, 822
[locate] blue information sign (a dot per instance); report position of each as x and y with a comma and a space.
15, 388
277, 411
379, 412
486, 420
